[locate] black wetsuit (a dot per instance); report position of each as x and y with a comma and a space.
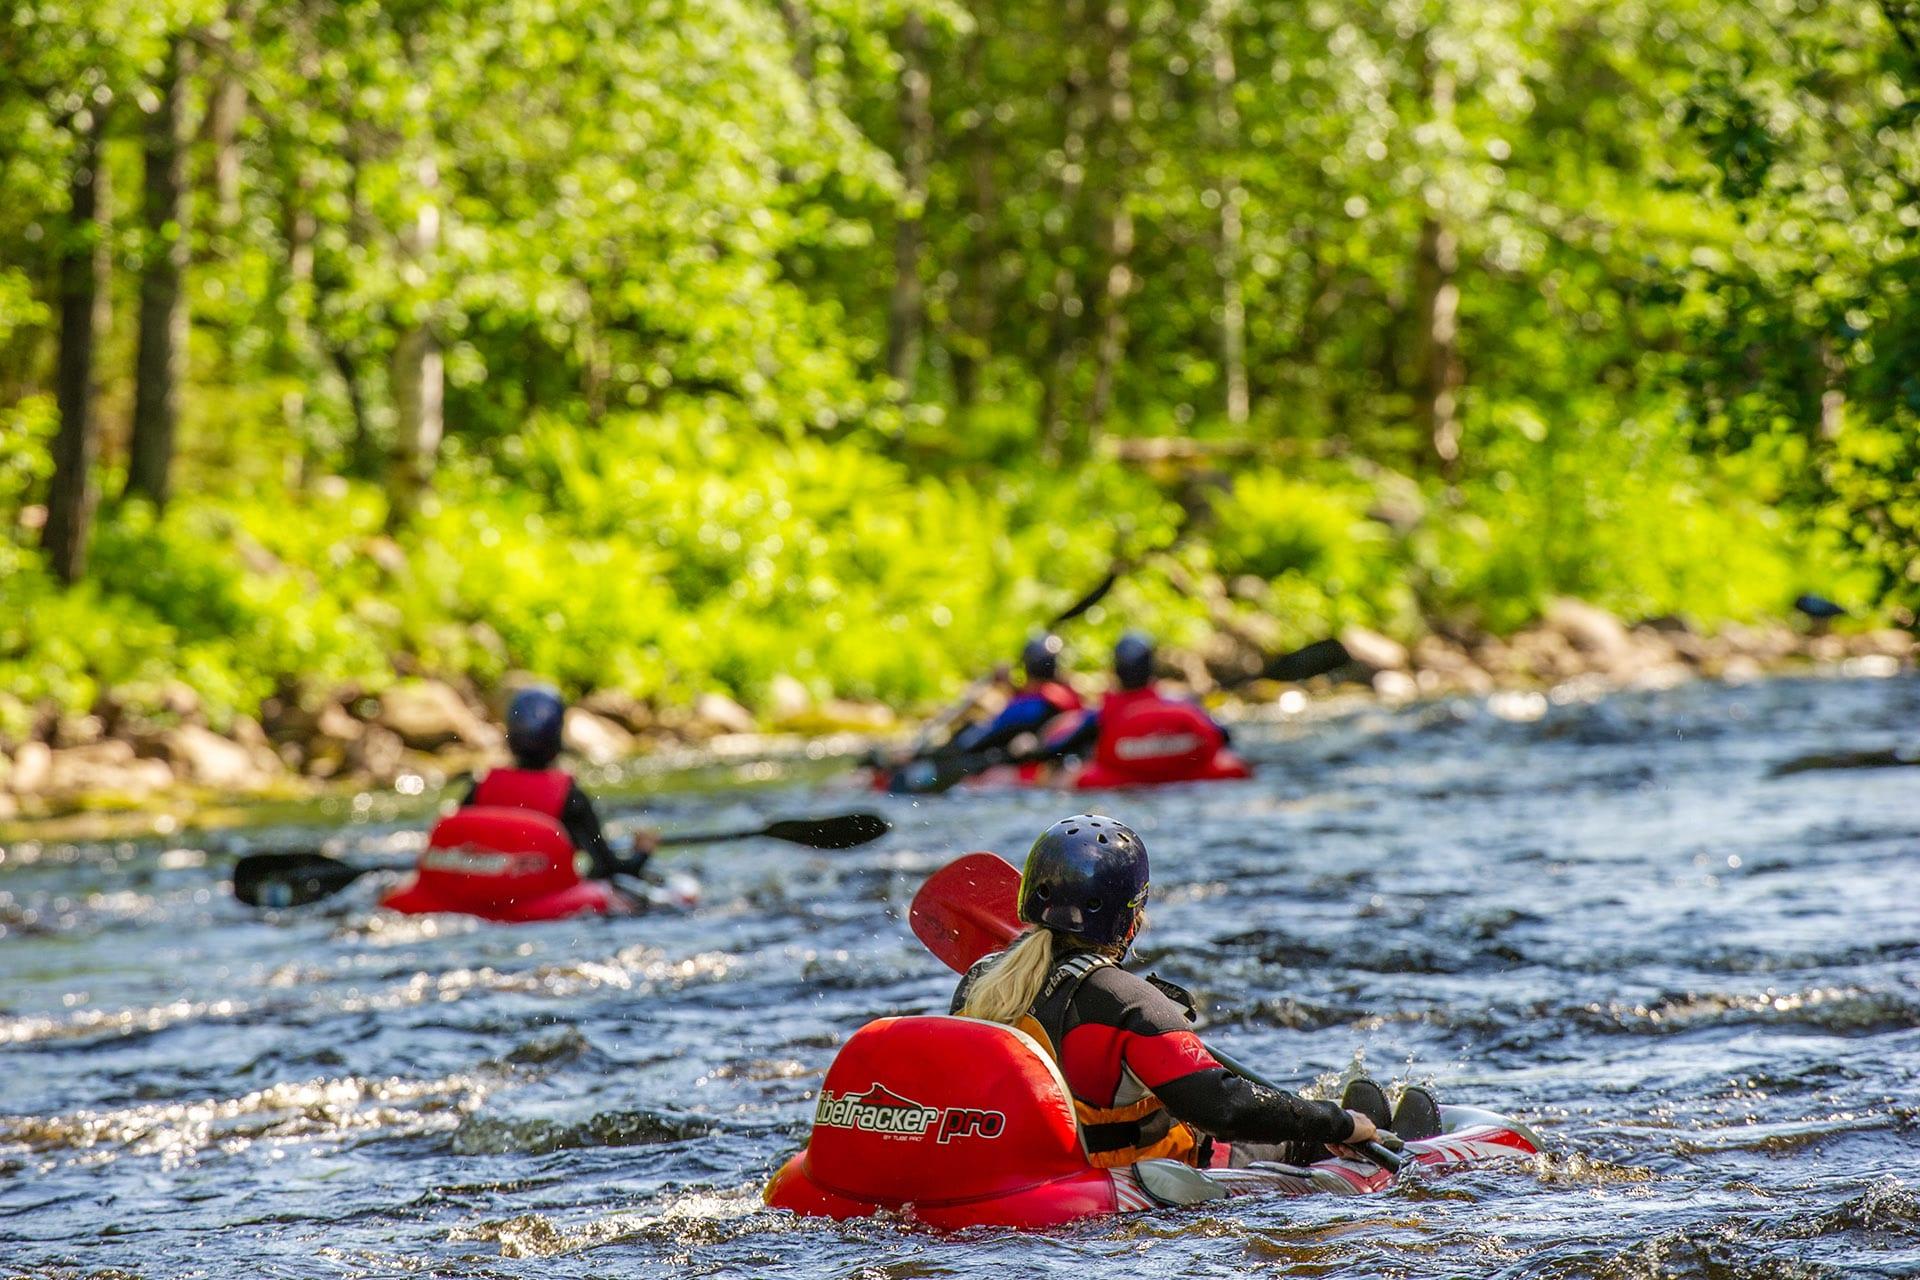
1144, 1085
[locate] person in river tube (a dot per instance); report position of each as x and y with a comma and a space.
535, 719
1143, 1085
1134, 658
1037, 702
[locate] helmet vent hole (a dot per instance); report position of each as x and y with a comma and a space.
1093, 904
1103, 839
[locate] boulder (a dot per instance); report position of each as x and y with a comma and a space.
864, 717
722, 714
1592, 631
1546, 655
428, 715
1885, 642
378, 752
1441, 665
788, 701
620, 707
1395, 686
105, 766
32, 768
78, 731
333, 724
203, 756
1372, 650
593, 738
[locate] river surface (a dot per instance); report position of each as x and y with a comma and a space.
1701, 984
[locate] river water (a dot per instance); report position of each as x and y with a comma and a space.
1700, 983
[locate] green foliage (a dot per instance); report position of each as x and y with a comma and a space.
1614, 300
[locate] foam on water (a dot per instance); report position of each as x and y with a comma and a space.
1697, 981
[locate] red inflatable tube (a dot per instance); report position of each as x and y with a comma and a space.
508, 865
954, 1123
1148, 740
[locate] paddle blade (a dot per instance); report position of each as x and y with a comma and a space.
967, 909
290, 879
847, 831
1088, 600
1322, 657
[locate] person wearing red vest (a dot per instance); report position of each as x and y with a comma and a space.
1133, 662
1042, 699
535, 719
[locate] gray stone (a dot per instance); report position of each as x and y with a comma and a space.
32, 768
428, 715
595, 739
721, 713
1372, 650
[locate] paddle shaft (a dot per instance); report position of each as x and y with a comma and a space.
1378, 1152
973, 691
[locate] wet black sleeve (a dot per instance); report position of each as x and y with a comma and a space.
1235, 1110
583, 827
1083, 739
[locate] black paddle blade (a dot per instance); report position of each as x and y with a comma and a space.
290, 879
1322, 657
844, 832
1087, 601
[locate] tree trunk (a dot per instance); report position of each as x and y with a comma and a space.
417, 376
974, 343
1438, 301
295, 356
161, 362
1231, 249
1117, 238
906, 314
800, 32
1063, 336
1441, 372
86, 265
224, 115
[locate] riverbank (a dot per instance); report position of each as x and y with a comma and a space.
414, 736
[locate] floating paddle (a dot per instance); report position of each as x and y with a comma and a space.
295, 879
967, 910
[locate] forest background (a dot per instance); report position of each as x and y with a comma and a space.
680, 346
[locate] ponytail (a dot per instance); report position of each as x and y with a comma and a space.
1005, 992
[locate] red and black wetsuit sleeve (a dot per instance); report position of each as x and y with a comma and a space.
1119, 1019
583, 827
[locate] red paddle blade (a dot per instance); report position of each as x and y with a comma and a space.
968, 909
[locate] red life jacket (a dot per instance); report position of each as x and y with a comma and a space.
1058, 694
541, 790
1146, 738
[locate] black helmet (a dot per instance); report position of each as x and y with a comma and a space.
1041, 656
1133, 660
535, 718
1087, 876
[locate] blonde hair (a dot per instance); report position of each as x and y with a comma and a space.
1007, 990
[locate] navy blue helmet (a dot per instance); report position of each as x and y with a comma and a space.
1041, 657
535, 718
1133, 660
1086, 876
